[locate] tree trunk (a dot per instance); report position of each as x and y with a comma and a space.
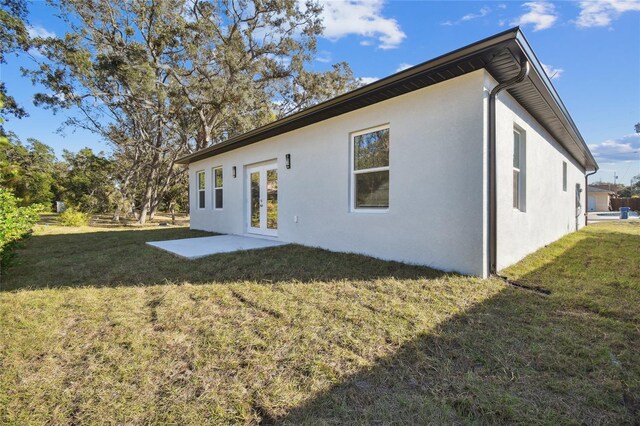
146, 204
204, 137
153, 211
123, 195
143, 215
132, 212
116, 213
160, 190
146, 201
151, 180
155, 201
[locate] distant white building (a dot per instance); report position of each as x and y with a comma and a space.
60, 206
598, 199
467, 162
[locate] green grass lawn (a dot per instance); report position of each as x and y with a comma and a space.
96, 327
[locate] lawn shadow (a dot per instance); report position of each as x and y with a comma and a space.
122, 258
519, 357
515, 359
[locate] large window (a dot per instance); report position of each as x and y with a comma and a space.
519, 165
564, 176
370, 169
217, 188
201, 195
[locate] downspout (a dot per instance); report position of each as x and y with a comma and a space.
491, 154
586, 196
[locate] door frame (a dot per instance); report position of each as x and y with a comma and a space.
262, 169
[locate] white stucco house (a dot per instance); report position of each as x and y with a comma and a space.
466, 162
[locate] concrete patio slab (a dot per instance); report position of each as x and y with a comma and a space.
194, 248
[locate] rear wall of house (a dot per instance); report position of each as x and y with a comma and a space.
435, 215
548, 211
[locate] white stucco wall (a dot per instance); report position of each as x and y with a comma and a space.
436, 181
549, 212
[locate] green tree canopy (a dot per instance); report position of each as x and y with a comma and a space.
160, 79
30, 170
90, 182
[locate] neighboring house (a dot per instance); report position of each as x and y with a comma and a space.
435, 165
598, 199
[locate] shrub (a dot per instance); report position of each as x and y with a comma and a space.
15, 223
72, 217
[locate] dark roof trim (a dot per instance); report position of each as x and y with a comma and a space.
458, 62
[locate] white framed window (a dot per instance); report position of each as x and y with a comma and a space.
370, 170
564, 176
217, 188
200, 185
519, 169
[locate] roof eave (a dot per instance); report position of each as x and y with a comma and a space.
513, 39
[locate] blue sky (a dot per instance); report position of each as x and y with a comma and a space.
591, 48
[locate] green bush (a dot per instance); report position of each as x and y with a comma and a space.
15, 223
72, 217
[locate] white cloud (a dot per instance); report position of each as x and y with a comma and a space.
626, 148
283, 60
484, 11
39, 31
502, 6
552, 72
323, 56
481, 14
367, 80
366, 43
360, 17
35, 53
403, 66
541, 15
601, 13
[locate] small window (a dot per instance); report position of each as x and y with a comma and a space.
217, 188
370, 169
201, 196
519, 170
564, 176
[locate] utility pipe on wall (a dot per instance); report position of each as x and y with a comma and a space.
586, 196
491, 154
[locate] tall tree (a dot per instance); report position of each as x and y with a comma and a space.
161, 78
14, 37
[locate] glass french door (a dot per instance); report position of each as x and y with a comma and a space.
262, 197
